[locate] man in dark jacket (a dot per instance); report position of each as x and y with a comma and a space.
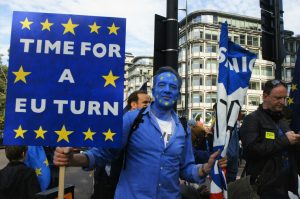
270, 147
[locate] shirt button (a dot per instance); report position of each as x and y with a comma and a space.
159, 184
161, 168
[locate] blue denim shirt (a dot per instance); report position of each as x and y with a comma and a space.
152, 170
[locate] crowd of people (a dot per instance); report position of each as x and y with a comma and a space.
162, 157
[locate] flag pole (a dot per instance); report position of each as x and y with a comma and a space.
61, 182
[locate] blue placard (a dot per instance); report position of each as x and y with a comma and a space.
65, 80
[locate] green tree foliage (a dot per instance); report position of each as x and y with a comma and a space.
3, 83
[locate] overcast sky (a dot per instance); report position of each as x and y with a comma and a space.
138, 13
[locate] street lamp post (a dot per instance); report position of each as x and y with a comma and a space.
186, 62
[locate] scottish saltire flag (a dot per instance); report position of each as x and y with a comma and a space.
65, 80
293, 100
235, 67
36, 159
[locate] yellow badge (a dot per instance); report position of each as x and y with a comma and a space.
270, 135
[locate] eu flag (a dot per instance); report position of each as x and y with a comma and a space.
65, 80
293, 100
36, 159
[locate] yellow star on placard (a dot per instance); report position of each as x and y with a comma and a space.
20, 75
89, 134
46, 162
294, 87
109, 135
110, 79
94, 28
290, 100
69, 27
40, 133
113, 29
63, 134
26, 23
20, 132
38, 171
46, 25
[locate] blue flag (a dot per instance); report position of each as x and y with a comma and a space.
36, 159
294, 98
235, 68
65, 80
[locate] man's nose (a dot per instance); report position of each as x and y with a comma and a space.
167, 88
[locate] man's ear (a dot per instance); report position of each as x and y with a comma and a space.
133, 105
265, 95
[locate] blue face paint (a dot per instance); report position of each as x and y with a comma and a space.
166, 90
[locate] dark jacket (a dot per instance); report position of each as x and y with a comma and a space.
105, 185
17, 181
263, 151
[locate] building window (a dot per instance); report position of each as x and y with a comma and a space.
180, 68
254, 85
197, 34
196, 19
197, 64
209, 36
197, 80
196, 97
211, 97
211, 65
255, 41
211, 80
236, 39
242, 39
182, 40
253, 100
266, 71
211, 48
196, 49
255, 70
289, 73
249, 40
207, 19
288, 58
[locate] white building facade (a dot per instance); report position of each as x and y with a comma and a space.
201, 50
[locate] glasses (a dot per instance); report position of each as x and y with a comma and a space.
276, 82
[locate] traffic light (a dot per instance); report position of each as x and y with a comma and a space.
268, 29
272, 27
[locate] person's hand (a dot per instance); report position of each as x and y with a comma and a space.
292, 137
63, 156
205, 169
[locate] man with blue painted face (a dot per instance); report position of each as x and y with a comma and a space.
158, 152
